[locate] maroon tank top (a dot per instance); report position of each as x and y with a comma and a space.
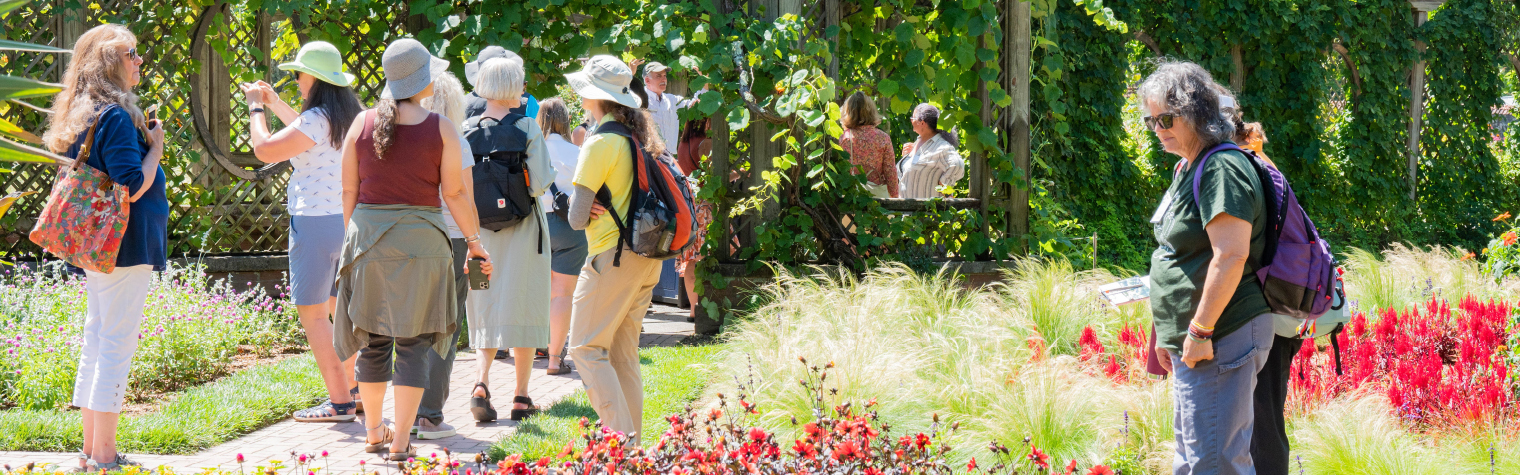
408, 174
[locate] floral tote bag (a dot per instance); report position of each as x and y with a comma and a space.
85, 215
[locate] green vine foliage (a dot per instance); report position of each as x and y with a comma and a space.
1349, 171
1082, 154
1461, 185
1091, 175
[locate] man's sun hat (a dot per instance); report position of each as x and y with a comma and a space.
408, 69
472, 68
654, 67
606, 78
321, 60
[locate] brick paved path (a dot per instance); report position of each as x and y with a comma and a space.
664, 326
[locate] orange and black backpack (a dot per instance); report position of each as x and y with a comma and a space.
661, 220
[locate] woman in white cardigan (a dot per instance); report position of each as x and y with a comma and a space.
930, 162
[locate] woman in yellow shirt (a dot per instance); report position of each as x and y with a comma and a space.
610, 298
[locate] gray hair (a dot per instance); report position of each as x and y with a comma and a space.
1188, 90
500, 79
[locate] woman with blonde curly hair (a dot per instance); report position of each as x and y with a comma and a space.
97, 99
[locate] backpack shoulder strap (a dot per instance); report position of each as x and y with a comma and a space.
1198, 170
512, 118
614, 128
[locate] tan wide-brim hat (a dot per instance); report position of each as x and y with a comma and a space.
606, 78
321, 60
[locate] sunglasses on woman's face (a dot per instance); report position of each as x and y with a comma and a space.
1164, 120
132, 53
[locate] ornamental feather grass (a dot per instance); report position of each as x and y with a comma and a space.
1000, 361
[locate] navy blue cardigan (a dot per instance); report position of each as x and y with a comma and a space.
118, 151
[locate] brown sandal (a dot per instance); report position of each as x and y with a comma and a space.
385, 441
410, 453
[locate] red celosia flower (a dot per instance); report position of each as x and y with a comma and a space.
1089, 344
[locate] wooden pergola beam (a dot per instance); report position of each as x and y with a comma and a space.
1016, 58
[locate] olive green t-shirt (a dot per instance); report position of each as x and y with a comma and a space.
1181, 261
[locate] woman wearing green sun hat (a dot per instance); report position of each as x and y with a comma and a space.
312, 141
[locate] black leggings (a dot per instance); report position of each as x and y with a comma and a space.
1269, 436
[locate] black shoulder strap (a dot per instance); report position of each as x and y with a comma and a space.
1275, 213
604, 195
512, 118
614, 128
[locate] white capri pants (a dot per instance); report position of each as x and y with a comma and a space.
115, 310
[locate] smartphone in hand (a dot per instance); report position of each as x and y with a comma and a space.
478, 278
152, 114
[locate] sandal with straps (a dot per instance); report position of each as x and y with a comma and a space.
385, 441
327, 412
480, 407
564, 366
410, 453
520, 414
353, 393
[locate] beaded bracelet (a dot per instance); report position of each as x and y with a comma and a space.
1200, 335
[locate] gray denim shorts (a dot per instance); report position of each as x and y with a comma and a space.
569, 246
315, 245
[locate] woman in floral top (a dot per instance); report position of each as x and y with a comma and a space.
869, 147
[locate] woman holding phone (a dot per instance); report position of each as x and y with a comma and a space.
396, 298
314, 198
97, 112
514, 311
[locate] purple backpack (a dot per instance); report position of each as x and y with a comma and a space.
1298, 274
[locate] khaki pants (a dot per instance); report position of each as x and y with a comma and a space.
605, 322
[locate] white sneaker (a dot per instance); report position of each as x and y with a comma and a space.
426, 430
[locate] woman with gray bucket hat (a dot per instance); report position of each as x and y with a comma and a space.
610, 299
396, 296
311, 143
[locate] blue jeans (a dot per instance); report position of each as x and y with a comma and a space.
1213, 403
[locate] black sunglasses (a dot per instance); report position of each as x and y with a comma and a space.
1165, 120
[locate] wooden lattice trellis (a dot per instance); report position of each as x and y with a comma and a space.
222, 199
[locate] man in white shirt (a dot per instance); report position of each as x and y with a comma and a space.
663, 106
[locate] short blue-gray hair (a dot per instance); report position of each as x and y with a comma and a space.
1188, 90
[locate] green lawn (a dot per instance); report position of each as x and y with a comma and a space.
673, 377
198, 418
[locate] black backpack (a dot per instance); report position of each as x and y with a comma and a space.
501, 173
